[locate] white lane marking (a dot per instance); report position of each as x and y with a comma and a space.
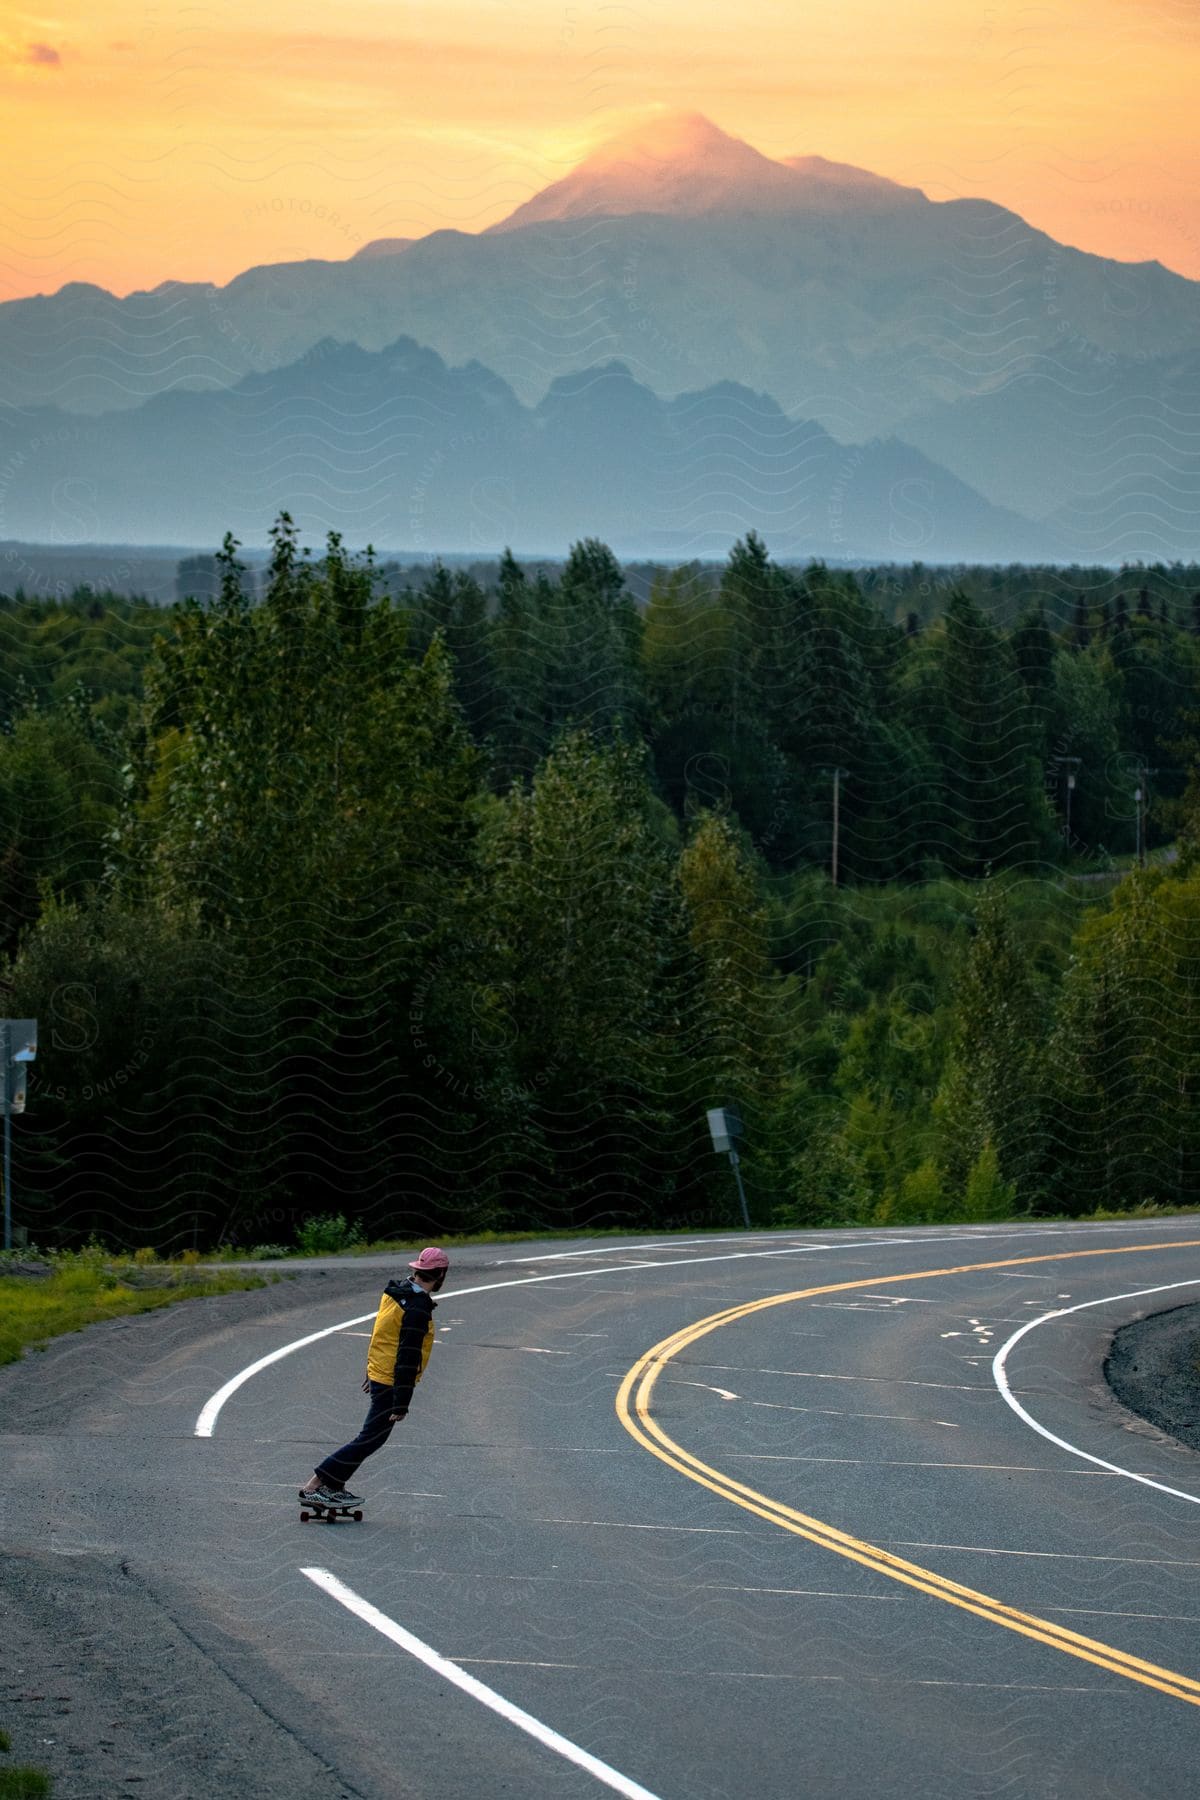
371, 1615
904, 1299
620, 1249
1137, 1562
891, 1462
956, 1387
849, 1306
837, 1412
637, 1525
209, 1412
1000, 1375
968, 1234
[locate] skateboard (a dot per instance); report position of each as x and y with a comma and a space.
321, 1509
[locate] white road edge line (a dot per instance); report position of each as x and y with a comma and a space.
1000, 1376
503, 1262
451, 1672
209, 1412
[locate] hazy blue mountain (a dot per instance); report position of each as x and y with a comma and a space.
1108, 449
397, 448
853, 300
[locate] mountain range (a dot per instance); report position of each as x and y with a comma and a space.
1059, 385
397, 448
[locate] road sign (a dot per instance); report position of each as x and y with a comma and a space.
18, 1048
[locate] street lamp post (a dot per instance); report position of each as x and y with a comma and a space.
1141, 796
1073, 763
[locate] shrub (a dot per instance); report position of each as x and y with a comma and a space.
922, 1197
988, 1196
24, 1784
325, 1234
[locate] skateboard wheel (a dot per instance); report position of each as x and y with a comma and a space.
358, 1517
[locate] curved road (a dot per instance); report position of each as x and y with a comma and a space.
729, 1516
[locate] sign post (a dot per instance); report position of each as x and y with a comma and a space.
18, 1048
725, 1127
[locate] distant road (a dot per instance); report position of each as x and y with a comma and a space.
810, 1547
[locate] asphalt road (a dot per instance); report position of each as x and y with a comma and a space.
826, 1557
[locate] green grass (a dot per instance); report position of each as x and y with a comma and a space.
24, 1784
83, 1290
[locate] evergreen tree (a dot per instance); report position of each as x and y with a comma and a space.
1033, 650
1085, 701
968, 702
733, 1014
580, 904
310, 809
1081, 630
1126, 1067
594, 641
520, 658
992, 1089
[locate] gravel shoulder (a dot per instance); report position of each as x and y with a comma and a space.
99, 1682
1153, 1368
100, 1685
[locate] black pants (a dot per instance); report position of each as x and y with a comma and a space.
376, 1430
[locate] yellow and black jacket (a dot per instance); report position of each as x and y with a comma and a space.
401, 1340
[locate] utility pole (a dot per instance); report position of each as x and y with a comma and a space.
1141, 795
837, 776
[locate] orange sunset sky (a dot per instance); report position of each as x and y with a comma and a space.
150, 139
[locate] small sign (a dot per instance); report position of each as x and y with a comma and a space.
725, 1127
22, 1040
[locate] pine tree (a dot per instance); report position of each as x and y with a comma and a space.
1033, 653
520, 661
580, 905
988, 1197
1126, 1066
313, 810
992, 1091
995, 809
1081, 631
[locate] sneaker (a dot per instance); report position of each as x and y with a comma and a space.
330, 1496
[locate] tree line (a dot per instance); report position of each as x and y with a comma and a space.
457, 907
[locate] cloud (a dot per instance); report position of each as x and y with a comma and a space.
45, 54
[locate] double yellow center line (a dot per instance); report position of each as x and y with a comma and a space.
633, 1408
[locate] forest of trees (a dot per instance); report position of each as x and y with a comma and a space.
456, 904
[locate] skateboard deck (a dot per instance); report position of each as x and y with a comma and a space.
320, 1509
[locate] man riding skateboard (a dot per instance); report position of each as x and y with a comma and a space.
401, 1341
